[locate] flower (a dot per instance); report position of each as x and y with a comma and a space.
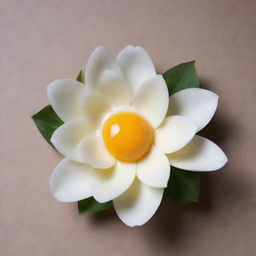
122, 132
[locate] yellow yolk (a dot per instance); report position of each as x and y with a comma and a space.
128, 136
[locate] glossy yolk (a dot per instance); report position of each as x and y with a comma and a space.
128, 136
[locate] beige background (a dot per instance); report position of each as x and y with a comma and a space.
45, 40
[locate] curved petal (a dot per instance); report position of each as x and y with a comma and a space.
99, 60
200, 154
65, 96
94, 108
92, 151
154, 170
114, 89
111, 183
69, 181
67, 137
151, 100
198, 104
174, 133
136, 65
138, 204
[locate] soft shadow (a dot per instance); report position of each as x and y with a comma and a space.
101, 218
168, 225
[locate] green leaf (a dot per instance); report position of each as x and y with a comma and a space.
90, 205
80, 77
181, 77
183, 186
47, 122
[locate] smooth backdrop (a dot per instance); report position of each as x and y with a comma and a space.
41, 41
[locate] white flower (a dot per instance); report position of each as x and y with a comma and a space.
119, 137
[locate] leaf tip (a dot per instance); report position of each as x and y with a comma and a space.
80, 77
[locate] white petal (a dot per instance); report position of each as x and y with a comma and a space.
65, 96
67, 137
199, 155
69, 181
154, 170
198, 104
99, 61
174, 133
94, 108
136, 65
92, 151
109, 184
138, 204
114, 89
151, 100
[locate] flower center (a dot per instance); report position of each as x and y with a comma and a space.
128, 136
